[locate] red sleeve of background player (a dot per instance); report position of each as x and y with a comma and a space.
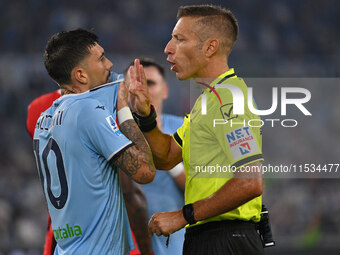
38, 106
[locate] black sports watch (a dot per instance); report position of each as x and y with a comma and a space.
188, 213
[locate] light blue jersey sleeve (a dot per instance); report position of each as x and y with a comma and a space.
99, 130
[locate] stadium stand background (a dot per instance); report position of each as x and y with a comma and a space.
277, 39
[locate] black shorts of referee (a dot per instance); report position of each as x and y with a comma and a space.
228, 237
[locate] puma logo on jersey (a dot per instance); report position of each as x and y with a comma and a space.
100, 107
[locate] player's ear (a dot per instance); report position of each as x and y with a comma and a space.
80, 75
165, 91
210, 47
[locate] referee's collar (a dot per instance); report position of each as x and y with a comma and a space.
226, 75
220, 79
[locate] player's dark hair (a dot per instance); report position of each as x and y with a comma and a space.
65, 50
146, 62
213, 17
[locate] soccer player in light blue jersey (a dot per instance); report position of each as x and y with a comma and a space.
79, 148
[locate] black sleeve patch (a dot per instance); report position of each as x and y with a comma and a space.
247, 160
178, 139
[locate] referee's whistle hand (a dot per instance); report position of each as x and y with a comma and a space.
166, 223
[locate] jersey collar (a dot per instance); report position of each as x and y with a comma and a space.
224, 76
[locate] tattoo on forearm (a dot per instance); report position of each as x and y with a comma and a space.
133, 157
128, 162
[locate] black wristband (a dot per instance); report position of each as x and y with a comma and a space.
147, 123
188, 213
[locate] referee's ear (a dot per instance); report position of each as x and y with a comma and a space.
211, 47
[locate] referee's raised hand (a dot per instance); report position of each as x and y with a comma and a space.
139, 92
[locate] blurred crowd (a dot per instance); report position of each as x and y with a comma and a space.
277, 39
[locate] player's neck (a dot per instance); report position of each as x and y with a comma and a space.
72, 89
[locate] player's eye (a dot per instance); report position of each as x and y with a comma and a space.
150, 83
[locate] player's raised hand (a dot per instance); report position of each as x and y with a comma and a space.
139, 92
123, 95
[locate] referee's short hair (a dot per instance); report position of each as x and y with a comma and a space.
213, 20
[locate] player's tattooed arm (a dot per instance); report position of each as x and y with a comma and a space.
136, 161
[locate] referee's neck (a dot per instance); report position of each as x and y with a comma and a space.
213, 70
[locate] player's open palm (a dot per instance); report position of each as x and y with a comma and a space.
139, 93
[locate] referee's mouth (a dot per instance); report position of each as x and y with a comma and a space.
173, 65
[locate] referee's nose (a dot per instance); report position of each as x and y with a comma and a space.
169, 49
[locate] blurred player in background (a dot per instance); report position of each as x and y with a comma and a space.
221, 209
134, 197
80, 147
165, 193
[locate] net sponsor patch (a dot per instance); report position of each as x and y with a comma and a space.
241, 142
113, 125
